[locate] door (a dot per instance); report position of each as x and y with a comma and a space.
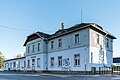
33, 64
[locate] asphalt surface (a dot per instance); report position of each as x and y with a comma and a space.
26, 76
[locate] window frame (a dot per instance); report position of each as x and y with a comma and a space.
38, 46
28, 64
28, 49
98, 38
59, 43
77, 60
77, 38
59, 61
38, 62
33, 48
52, 44
107, 42
52, 61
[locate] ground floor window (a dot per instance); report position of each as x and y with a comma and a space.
60, 61
24, 64
77, 59
14, 64
52, 61
38, 62
28, 64
10, 65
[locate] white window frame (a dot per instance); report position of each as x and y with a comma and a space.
38, 62
59, 61
77, 57
77, 38
38, 46
52, 61
28, 63
98, 38
52, 44
59, 43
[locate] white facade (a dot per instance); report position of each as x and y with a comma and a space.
15, 64
79, 48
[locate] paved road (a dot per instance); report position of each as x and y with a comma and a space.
24, 76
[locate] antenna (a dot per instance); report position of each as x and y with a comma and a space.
81, 15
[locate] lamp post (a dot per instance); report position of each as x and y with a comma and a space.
85, 65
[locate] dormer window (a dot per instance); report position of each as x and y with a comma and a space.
76, 38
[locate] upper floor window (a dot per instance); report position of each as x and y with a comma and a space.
60, 61
33, 47
52, 44
60, 43
52, 61
38, 46
97, 37
28, 49
77, 59
76, 38
107, 43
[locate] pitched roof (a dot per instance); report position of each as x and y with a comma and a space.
38, 35
14, 59
78, 27
74, 28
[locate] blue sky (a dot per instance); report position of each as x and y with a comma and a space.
47, 15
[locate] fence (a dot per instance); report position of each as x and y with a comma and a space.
105, 70
116, 70
110, 70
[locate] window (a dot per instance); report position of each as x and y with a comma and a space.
60, 43
98, 38
24, 64
10, 65
28, 49
28, 64
5, 65
33, 47
77, 59
60, 61
76, 38
91, 57
38, 62
19, 64
52, 61
38, 46
52, 44
107, 43
14, 64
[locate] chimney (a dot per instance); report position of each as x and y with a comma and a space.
62, 26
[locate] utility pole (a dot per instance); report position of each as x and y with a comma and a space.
81, 15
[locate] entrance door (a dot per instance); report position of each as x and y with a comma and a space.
33, 64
